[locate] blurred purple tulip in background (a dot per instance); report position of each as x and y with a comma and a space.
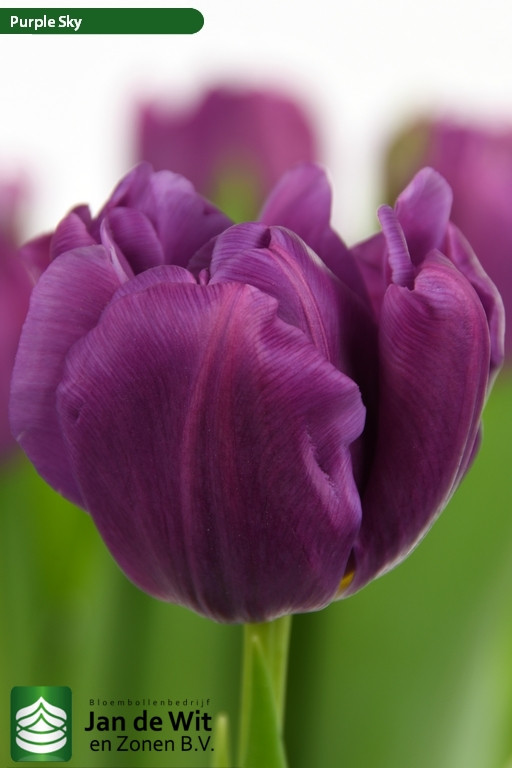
15, 287
233, 145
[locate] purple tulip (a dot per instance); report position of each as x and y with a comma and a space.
477, 163
234, 144
15, 287
258, 419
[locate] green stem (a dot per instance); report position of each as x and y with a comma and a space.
221, 756
263, 697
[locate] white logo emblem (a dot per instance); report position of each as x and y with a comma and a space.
41, 727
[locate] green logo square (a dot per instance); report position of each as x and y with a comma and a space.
40, 723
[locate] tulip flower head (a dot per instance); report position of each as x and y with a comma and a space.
259, 419
477, 163
233, 145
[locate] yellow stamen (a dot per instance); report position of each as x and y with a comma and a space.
346, 581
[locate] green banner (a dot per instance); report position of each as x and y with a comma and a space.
100, 21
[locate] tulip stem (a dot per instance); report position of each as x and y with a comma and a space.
263, 698
221, 757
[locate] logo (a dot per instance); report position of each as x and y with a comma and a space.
40, 723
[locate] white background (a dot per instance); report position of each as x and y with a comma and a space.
67, 101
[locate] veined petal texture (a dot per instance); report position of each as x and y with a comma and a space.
67, 302
225, 445
433, 373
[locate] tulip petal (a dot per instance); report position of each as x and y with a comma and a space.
134, 234
302, 202
423, 210
281, 265
65, 304
35, 255
309, 297
434, 357
129, 191
372, 261
399, 258
212, 445
166, 273
182, 220
461, 253
72, 232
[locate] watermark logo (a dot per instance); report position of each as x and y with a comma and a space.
40, 723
